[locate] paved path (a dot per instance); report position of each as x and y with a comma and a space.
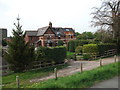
111, 83
75, 67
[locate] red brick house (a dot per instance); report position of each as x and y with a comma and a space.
49, 36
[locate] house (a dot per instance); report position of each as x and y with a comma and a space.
49, 35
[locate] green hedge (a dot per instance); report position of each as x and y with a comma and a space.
97, 49
74, 43
105, 47
90, 48
90, 51
53, 54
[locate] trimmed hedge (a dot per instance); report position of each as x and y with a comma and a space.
90, 51
90, 48
74, 43
98, 49
71, 46
51, 54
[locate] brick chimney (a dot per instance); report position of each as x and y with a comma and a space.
50, 24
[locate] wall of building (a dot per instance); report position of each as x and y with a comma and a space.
31, 39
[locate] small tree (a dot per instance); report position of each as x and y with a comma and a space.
19, 54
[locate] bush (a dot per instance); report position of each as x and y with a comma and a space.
86, 56
53, 54
74, 43
90, 48
78, 50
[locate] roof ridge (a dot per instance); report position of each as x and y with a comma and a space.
43, 27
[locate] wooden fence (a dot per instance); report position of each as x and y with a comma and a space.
109, 53
35, 65
4, 69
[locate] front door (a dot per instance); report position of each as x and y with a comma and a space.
50, 44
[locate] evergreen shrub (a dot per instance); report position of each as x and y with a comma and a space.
51, 54
74, 43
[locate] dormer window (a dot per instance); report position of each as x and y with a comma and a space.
58, 33
67, 30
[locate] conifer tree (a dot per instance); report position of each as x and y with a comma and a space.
19, 54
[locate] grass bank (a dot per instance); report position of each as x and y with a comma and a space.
9, 81
81, 80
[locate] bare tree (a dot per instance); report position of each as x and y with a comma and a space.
108, 17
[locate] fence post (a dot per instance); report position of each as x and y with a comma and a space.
81, 67
115, 57
55, 71
18, 81
100, 62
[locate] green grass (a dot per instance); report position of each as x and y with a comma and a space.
70, 53
10, 80
80, 80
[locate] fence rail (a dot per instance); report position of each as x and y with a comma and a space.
109, 53
5, 68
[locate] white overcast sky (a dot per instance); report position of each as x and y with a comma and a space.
37, 13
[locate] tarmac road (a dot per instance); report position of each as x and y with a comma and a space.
111, 83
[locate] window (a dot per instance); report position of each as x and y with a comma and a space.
67, 30
49, 37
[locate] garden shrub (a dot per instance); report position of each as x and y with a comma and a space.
74, 43
90, 48
86, 56
78, 50
51, 54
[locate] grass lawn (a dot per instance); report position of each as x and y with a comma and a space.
9, 81
70, 53
81, 80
